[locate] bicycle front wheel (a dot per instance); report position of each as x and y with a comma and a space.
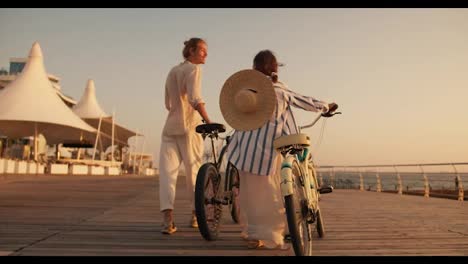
297, 213
207, 207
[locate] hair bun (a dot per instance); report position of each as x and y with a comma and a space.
186, 42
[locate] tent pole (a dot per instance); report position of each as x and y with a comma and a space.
112, 148
101, 148
134, 156
57, 151
97, 136
141, 156
35, 142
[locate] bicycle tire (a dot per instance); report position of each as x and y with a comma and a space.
299, 229
208, 213
319, 218
320, 225
234, 187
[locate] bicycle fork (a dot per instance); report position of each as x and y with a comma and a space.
287, 177
287, 186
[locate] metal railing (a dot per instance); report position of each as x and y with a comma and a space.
399, 178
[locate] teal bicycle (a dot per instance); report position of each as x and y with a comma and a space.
300, 189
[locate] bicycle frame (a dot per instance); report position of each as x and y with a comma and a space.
214, 189
307, 168
216, 162
299, 188
305, 165
226, 179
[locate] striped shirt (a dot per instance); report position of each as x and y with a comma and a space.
252, 151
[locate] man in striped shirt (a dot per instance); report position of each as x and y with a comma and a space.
252, 152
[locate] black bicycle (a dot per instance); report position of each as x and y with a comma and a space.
214, 189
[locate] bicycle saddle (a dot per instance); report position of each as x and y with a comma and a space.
209, 128
289, 140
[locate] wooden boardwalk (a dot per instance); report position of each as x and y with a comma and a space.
118, 215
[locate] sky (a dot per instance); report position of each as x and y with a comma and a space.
399, 76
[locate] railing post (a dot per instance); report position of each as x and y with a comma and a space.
426, 183
361, 181
343, 176
461, 191
379, 185
320, 178
426, 186
400, 183
332, 177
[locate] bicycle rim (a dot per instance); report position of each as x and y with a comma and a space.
296, 213
207, 210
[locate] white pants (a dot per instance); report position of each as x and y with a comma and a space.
187, 149
261, 205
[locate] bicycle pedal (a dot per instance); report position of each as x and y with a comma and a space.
219, 201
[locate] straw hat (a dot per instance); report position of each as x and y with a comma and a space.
247, 100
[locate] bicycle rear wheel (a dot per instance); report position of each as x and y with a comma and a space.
319, 218
207, 208
297, 213
234, 208
320, 225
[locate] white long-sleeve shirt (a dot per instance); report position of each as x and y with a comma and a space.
253, 151
182, 96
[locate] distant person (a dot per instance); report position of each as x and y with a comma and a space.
251, 148
179, 141
26, 152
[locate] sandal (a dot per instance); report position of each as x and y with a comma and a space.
255, 244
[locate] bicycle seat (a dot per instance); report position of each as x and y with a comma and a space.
289, 140
210, 128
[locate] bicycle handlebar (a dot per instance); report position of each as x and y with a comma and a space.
317, 119
331, 114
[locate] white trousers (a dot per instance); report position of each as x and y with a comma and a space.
186, 149
261, 207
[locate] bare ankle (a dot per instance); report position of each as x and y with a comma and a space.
168, 216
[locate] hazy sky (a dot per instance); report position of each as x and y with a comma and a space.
399, 75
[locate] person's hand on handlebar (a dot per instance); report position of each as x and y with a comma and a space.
331, 109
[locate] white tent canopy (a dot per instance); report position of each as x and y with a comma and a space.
88, 108
29, 105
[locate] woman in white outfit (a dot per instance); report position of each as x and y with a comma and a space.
179, 141
261, 112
